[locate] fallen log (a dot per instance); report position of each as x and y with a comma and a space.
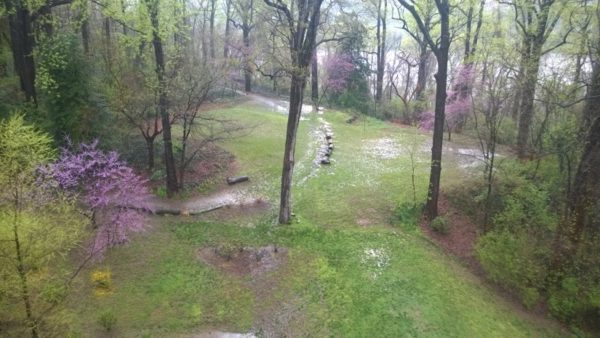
237, 179
186, 212
167, 212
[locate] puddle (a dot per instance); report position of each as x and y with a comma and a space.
280, 106
376, 260
383, 148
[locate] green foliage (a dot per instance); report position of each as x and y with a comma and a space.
107, 319
22, 150
45, 225
63, 78
511, 260
516, 252
340, 278
408, 214
440, 224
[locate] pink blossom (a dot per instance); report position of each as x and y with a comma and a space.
338, 68
115, 195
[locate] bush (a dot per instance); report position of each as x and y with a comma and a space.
407, 214
107, 320
440, 224
511, 260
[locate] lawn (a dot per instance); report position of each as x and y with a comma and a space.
352, 270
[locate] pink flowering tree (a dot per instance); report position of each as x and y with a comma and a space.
458, 103
339, 68
114, 195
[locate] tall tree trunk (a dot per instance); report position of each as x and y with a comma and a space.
593, 99
438, 135
212, 28
381, 37
171, 179
150, 148
23, 276
227, 28
314, 81
296, 97
431, 206
85, 36
247, 63
21, 41
422, 71
527, 98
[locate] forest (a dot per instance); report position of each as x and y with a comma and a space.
299, 168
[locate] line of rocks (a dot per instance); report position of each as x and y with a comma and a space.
324, 153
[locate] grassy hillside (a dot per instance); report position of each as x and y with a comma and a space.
352, 270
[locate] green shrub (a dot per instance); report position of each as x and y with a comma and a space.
440, 224
407, 214
512, 260
107, 320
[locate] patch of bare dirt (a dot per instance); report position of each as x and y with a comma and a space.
461, 237
244, 261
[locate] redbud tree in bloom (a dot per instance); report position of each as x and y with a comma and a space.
338, 69
116, 197
458, 101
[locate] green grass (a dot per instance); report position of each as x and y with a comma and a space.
331, 285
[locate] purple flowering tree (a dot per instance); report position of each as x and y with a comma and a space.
115, 196
458, 103
338, 69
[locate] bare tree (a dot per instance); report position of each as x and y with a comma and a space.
381, 50
535, 22
440, 48
244, 10
301, 24
159, 56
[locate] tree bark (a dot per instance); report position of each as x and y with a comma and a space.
314, 81
422, 71
438, 129
23, 278
171, 179
527, 97
21, 40
247, 63
85, 36
150, 148
296, 98
533, 42
593, 99
303, 27
212, 28
227, 28
381, 37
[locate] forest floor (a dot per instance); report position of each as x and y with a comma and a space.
345, 266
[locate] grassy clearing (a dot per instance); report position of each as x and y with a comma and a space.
349, 273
